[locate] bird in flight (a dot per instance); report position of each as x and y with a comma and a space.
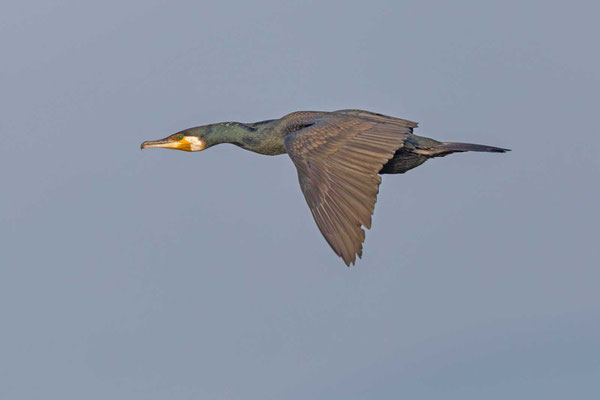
339, 157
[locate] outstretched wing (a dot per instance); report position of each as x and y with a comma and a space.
338, 158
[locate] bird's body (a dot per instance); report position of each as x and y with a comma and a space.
339, 156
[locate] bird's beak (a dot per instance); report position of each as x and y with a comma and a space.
154, 143
168, 143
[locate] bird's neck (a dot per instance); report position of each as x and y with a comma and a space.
256, 137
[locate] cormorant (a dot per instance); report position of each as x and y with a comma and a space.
338, 155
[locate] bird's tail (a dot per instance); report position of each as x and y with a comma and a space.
446, 148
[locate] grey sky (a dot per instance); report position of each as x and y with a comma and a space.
162, 274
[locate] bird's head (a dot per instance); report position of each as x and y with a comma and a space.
192, 139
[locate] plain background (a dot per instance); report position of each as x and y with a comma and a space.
168, 275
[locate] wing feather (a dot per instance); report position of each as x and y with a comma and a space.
338, 158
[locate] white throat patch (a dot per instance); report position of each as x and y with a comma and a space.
196, 144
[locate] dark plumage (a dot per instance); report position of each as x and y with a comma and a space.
339, 156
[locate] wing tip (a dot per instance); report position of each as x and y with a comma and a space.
352, 259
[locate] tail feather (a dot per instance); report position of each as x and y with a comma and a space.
446, 148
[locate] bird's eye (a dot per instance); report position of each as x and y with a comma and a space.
179, 137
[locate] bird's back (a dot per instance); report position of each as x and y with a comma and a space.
300, 119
